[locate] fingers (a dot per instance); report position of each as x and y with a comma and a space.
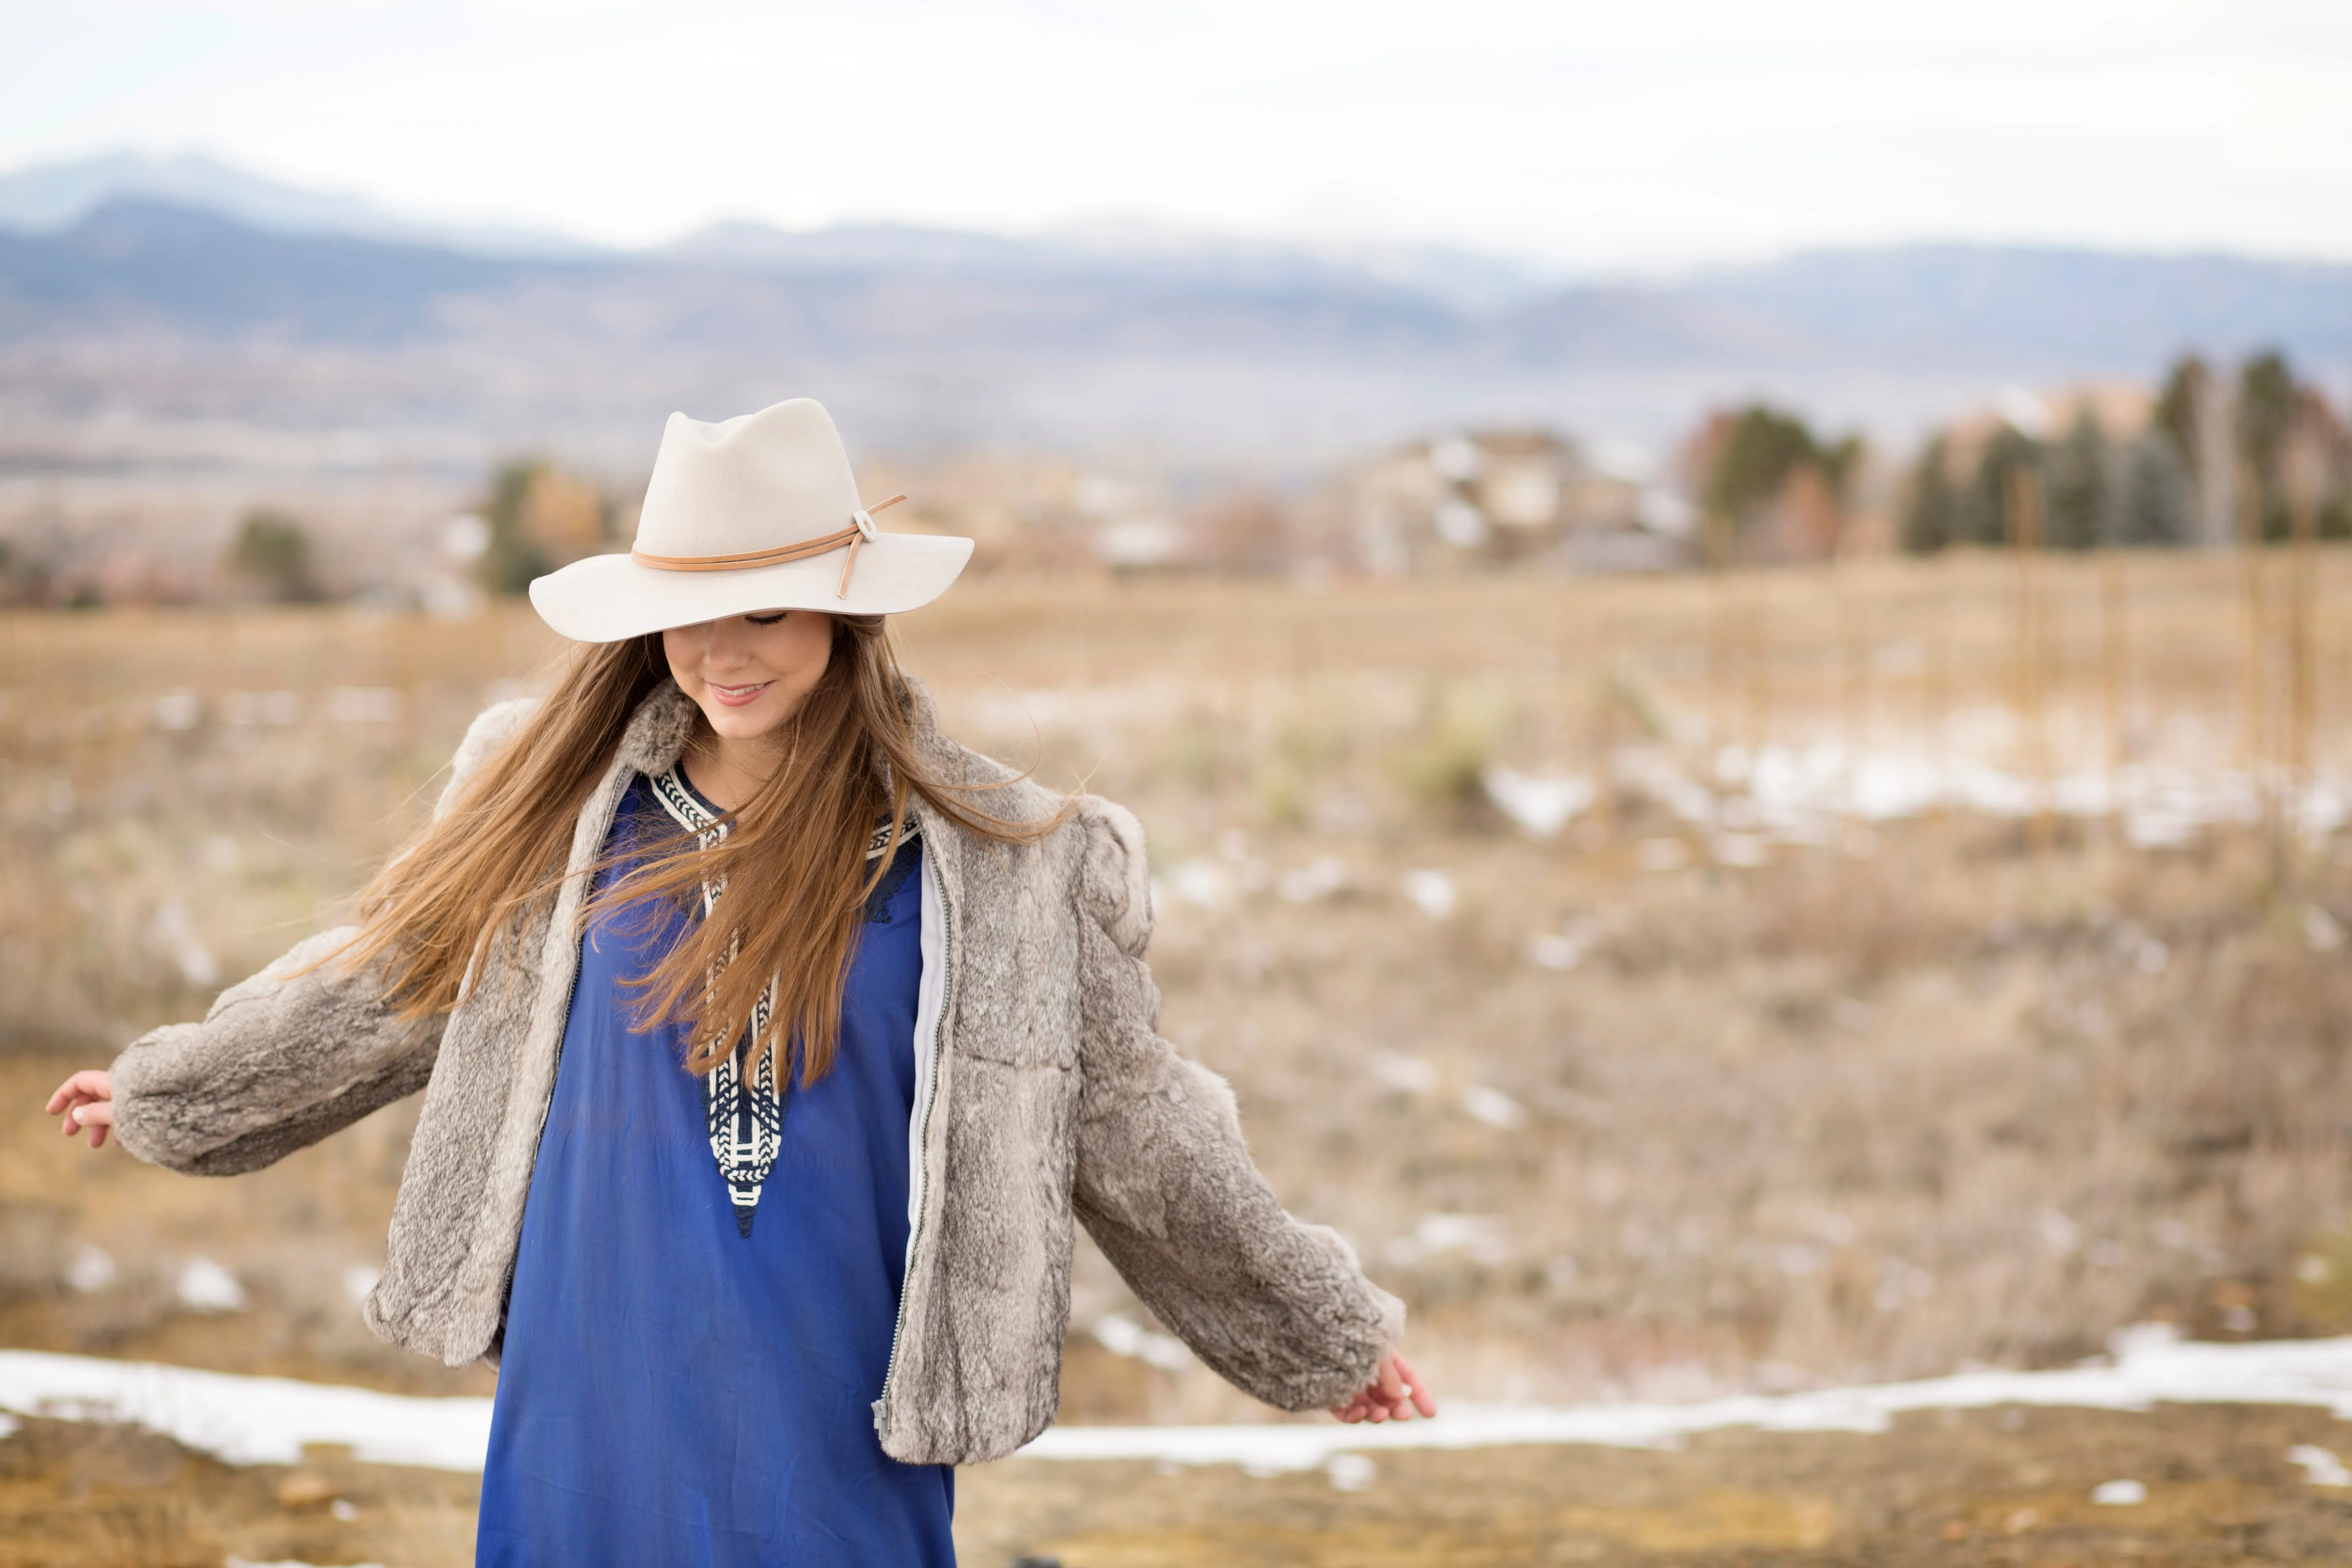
66, 1093
90, 1116
91, 1083
1395, 1394
1423, 1400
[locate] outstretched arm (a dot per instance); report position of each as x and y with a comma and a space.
1165, 1184
300, 1050
280, 1061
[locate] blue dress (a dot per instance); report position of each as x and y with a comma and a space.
687, 1379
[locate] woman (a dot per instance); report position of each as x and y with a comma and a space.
770, 1042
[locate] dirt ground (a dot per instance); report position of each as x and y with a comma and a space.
2008, 1485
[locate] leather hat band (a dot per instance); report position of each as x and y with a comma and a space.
856, 535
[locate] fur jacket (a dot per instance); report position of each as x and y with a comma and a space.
1043, 1095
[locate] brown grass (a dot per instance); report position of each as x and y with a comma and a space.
1937, 1091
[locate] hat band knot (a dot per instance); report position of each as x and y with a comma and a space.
856, 535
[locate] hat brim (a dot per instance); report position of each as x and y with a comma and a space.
608, 597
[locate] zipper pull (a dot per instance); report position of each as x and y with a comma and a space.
881, 1414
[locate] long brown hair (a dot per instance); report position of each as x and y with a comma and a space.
793, 863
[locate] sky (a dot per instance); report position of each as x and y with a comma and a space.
1624, 137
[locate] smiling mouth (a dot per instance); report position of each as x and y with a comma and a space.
737, 695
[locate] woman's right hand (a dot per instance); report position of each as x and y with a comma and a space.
86, 1100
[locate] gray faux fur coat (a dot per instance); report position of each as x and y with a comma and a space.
1044, 1094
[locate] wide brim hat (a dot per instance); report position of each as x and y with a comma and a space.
757, 512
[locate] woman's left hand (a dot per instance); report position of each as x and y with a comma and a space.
1395, 1393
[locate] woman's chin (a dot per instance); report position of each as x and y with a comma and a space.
747, 722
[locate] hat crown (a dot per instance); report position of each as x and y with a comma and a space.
758, 482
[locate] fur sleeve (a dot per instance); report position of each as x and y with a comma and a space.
280, 1061
292, 1054
1165, 1184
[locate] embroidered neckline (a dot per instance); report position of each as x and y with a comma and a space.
745, 1120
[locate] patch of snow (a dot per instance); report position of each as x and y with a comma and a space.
178, 710
1794, 792
1350, 1472
1564, 950
1478, 1235
1200, 882
1432, 892
1540, 806
264, 1420
2320, 1466
1411, 1074
248, 1420
2150, 1371
204, 1286
92, 1269
1126, 1337
1318, 879
1493, 1107
359, 1279
2119, 1494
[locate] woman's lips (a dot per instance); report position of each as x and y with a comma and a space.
738, 696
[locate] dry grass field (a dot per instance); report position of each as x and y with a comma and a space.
1674, 986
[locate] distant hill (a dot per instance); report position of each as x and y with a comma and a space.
54, 196
1190, 347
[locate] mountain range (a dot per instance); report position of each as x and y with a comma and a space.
170, 293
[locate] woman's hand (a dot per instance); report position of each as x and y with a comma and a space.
1393, 1394
86, 1100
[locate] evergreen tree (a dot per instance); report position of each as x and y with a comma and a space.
1984, 505
2081, 487
2176, 409
1760, 450
1763, 448
2266, 412
2158, 504
1931, 511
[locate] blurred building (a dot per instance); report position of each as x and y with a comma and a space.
1499, 498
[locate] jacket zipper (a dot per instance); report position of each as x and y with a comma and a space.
923, 1129
539, 1141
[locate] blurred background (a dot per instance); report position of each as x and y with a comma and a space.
1732, 627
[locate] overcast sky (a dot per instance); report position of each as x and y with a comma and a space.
1657, 132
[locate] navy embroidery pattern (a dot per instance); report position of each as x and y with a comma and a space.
745, 1118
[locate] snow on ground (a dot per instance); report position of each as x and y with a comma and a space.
1801, 793
266, 1420
248, 1420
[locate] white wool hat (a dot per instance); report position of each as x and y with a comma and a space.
757, 512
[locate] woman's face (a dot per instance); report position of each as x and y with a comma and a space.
750, 673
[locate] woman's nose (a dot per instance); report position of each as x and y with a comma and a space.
722, 645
